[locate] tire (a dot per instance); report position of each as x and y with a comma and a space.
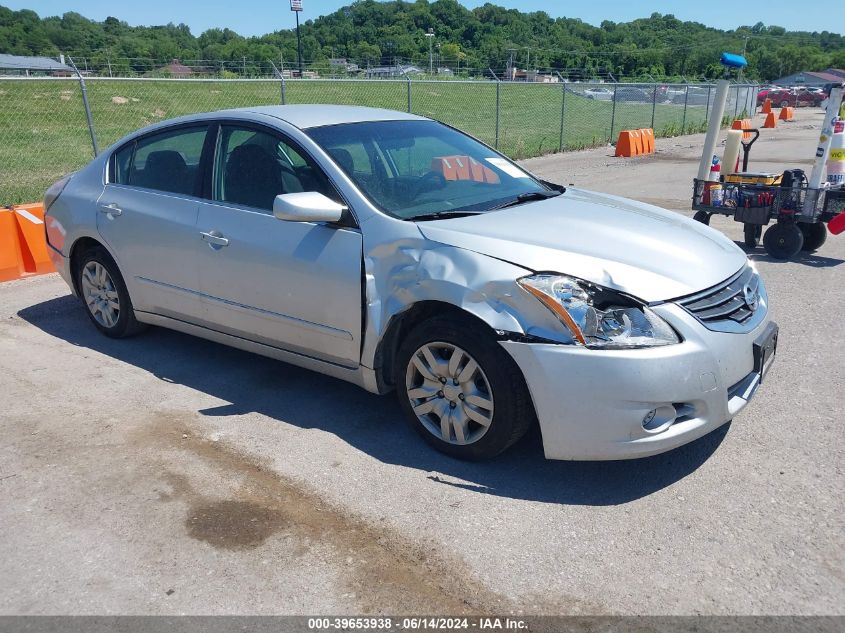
783, 240
815, 235
702, 216
104, 294
784, 104
494, 392
752, 233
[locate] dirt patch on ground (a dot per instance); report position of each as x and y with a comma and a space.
385, 571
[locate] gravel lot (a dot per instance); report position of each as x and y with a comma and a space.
166, 474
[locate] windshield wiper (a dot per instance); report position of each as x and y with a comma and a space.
529, 196
439, 215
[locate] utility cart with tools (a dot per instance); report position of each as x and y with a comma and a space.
798, 211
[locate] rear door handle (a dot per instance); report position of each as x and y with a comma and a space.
214, 238
111, 209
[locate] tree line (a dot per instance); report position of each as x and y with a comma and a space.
373, 33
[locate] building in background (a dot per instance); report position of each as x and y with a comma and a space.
392, 72
815, 79
17, 65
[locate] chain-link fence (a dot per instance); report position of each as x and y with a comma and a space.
44, 131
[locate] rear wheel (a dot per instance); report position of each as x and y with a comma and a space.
783, 240
702, 216
752, 233
461, 391
815, 235
784, 104
104, 293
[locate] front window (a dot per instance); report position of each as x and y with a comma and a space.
413, 169
253, 167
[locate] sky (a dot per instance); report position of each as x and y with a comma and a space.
257, 17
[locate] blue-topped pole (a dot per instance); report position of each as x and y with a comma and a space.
729, 60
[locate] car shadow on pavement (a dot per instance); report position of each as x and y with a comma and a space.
813, 260
372, 424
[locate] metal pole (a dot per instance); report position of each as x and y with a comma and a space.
408, 79
298, 44
562, 110
653, 105
707, 107
87, 107
684, 120
498, 86
613, 114
282, 77
736, 103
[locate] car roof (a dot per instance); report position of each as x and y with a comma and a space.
311, 115
302, 116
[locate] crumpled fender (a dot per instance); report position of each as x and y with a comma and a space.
399, 274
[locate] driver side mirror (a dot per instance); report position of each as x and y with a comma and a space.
307, 206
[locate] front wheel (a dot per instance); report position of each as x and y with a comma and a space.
783, 240
702, 216
461, 391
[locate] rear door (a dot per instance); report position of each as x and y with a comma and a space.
293, 285
148, 217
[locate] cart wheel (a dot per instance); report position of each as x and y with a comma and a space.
702, 216
814, 235
783, 240
752, 235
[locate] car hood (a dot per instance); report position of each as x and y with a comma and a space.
636, 248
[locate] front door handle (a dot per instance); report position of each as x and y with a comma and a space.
214, 238
111, 209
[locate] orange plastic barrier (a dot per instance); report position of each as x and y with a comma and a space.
635, 142
10, 261
647, 136
742, 124
23, 247
771, 121
786, 114
767, 106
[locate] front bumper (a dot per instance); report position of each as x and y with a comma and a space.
591, 403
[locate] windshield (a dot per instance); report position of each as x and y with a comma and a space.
411, 169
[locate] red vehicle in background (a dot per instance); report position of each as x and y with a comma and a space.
793, 98
783, 98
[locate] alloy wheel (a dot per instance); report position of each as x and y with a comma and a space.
100, 294
449, 393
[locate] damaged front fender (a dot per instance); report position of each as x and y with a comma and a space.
407, 272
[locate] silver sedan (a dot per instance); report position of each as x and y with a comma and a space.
397, 253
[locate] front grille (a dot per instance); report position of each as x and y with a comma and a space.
726, 301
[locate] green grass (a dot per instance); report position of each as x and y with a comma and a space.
44, 134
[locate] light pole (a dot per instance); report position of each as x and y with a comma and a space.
296, 7
430, 36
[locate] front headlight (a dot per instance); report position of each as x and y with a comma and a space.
599, 317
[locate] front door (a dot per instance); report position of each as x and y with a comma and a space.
293, 285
